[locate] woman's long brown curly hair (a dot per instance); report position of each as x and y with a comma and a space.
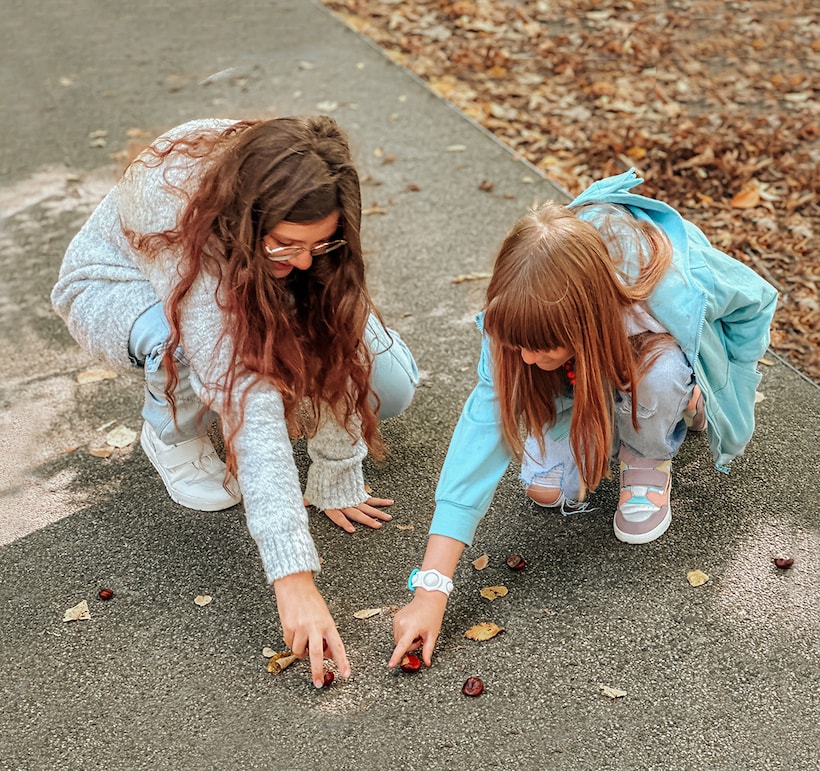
304, 333
556, 284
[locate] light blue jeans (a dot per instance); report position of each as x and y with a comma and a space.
394, 377
663, 395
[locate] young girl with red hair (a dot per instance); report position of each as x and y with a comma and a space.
609, 325
228, 264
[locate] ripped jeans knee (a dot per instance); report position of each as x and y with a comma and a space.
551, 479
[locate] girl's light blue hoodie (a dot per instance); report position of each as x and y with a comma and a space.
719, 311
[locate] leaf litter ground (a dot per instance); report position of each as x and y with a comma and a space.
715, 105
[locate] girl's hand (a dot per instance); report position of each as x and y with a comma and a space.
364, 514
420, 621
307, 625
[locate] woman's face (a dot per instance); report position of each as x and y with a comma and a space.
547, 360
305, 235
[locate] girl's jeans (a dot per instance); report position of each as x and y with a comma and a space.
663, 395
394, 377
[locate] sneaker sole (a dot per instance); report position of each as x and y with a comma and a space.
652, 535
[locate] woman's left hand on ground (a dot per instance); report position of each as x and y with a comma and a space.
365, 514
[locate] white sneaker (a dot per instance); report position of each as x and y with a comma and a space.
192, 472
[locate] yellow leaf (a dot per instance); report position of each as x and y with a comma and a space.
79, 612
486, 630
93, 375
696, 577
121, 436
610, 692
748, 197
367, 612
404, 527
470, 277
493, 592
481, 562
280, 661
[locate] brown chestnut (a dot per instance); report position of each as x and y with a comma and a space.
784, 561
105, 593
516, 562
328, 678
473, 686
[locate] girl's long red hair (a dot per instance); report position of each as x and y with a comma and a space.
556, 284
304, 333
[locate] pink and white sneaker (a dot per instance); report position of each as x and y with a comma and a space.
643, 512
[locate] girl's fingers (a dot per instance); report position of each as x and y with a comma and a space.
338, 517
379, 501
364, 514
298, 646
427, 650
336, 651
317, 661
357, 515
375, 513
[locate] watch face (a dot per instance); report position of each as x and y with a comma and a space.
430, 581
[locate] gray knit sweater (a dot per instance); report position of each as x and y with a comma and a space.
105, 285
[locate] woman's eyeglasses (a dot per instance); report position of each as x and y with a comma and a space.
284, 253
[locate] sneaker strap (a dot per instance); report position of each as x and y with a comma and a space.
192, 451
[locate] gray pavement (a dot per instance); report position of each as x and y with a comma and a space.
723, 676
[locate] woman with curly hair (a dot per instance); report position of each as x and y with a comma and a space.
610, 326
227, 263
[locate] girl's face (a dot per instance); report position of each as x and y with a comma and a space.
305, 236
547, 360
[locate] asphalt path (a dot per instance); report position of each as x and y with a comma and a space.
720, 676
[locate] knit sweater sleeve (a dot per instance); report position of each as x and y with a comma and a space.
101, 290
335, 478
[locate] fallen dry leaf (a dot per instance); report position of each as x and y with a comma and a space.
268, 652
610, 692
481, 562
747, 198
470, 277
697, 577
202, 600
79, 612
95, 375
404, 527
701, 99
121, 436
367, 612
279, 661
101, 452
493, 592
485, 630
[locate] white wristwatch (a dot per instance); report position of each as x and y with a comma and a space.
431, 580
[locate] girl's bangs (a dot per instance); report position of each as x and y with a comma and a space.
528, 322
